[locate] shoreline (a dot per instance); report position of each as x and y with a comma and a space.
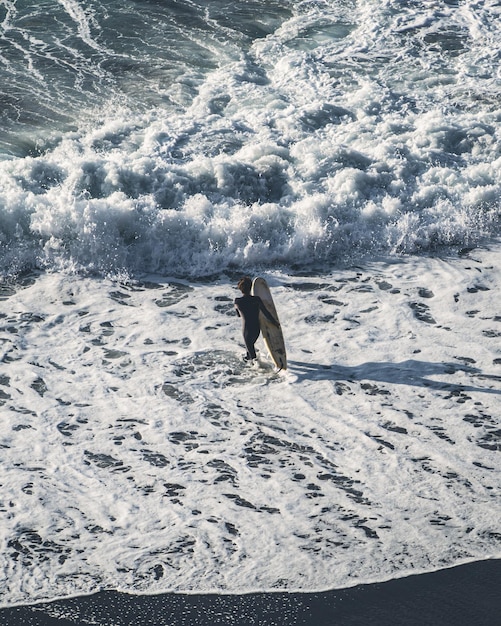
461, 595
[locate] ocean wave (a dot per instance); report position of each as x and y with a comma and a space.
185, 206
325, 135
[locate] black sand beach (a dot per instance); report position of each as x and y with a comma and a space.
467, 595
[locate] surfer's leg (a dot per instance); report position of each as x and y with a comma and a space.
251, 351
250, 338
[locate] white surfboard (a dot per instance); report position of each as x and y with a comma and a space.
272, 335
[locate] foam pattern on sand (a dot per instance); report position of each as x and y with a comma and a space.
171, 142
139, 451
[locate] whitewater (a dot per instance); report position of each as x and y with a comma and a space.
151, 154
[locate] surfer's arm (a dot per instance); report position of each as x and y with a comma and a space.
267, 314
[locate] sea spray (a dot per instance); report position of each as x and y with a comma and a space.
333, 133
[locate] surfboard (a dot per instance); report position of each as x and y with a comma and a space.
272, 335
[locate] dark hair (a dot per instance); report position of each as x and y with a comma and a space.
245, 284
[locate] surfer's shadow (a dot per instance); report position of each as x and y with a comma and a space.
410, 372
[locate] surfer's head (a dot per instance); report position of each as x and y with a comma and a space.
245, 285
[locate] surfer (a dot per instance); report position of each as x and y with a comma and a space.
248, 308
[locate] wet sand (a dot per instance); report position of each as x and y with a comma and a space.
465, 595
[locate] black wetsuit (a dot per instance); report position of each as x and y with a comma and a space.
248, 308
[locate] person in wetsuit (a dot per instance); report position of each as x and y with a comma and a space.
248, 308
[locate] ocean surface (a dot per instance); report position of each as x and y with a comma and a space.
151, 153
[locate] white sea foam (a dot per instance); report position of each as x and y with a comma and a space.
139, 452
281, 150
83, 20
